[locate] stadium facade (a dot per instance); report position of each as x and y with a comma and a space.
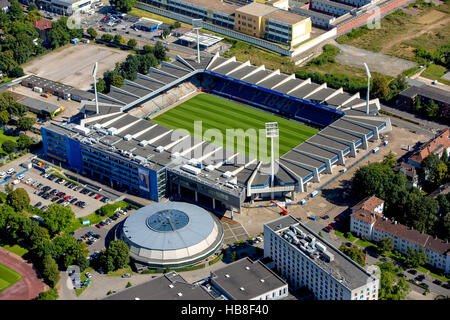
137, 156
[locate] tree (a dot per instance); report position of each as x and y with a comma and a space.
391, 286
146, 61
123, 5
128, 285
416, 258
4, 117
354, 253
433, 171
9, 146
57, 217
432, 109
7, 61
165, 33
25, 123
101, 85
147, 48
16, 9
119, 252
32, 7
16, 72
176, 24
233, 256
107, 37
117, 80
132, 43
160, 51
390, 160
50, 271
386, 245
18, 199
92, 32
51, 294
24, 141
380, 87
118, 39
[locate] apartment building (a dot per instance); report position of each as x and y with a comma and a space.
304, 259
267, 21
436, 146
374, 226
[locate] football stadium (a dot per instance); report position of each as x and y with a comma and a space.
143, 138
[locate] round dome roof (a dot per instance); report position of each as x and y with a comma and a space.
169, 226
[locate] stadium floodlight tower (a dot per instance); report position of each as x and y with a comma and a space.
196, 25
368, 87
272, 132
94, 75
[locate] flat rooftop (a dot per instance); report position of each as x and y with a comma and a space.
342, 268
257, 9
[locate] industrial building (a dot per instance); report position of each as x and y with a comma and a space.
146, 24
369, 222
171, 234
407, 98
169, 286
114, 147
62, 7
39, 107
248, 280
304, 259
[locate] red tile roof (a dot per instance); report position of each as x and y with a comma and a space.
42, 24
424, 240
365, 215
369, 204
437, 145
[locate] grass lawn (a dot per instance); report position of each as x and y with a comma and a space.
440, 277
363, 243
83, 279
8, 277
222, 114
3, 138
147, 14
16, 249
120, 272
435, 72
398, 35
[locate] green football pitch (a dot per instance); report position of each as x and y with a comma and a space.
222, 114
8, 277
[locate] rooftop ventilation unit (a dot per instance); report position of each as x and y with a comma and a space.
128, 137
160, 149
227, 174
179, 294
143, 143
328, 256
227, 276
171, 286
229, 185
175, 155
97, 126
262, 280
320, 247
191, 169
247, 268
112, 131
209, 168
242, 289
80, 129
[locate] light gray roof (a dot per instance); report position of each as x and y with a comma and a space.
198, 228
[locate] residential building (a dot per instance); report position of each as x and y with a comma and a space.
304, 259
410, 172
374, 226
407, 97
267, 21
248, 280
43, 27
436, 146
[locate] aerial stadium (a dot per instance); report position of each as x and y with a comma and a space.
171, 234
156, 153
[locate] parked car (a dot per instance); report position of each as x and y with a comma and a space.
37, 205
126, 275
91, 194
2, 174
29, 180
425, 285
60, 201
88, 275
420, 277
21, 177
10, 171
438, 282
412, 271
99, 225
98, 196
44, 208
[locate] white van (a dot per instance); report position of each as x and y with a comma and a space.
10, 171
2, 174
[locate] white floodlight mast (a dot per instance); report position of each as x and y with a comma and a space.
94, 75
196, 25
368, 87
272, 132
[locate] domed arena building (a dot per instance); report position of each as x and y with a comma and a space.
171, 234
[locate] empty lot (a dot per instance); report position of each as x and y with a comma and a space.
73, 64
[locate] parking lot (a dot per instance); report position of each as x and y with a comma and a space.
43, 191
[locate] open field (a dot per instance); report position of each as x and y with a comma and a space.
8, 277
73, 64
435, 72
401, 33
222, 114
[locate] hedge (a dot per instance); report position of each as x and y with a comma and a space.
110, 208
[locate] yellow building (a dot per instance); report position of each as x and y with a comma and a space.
271, 23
